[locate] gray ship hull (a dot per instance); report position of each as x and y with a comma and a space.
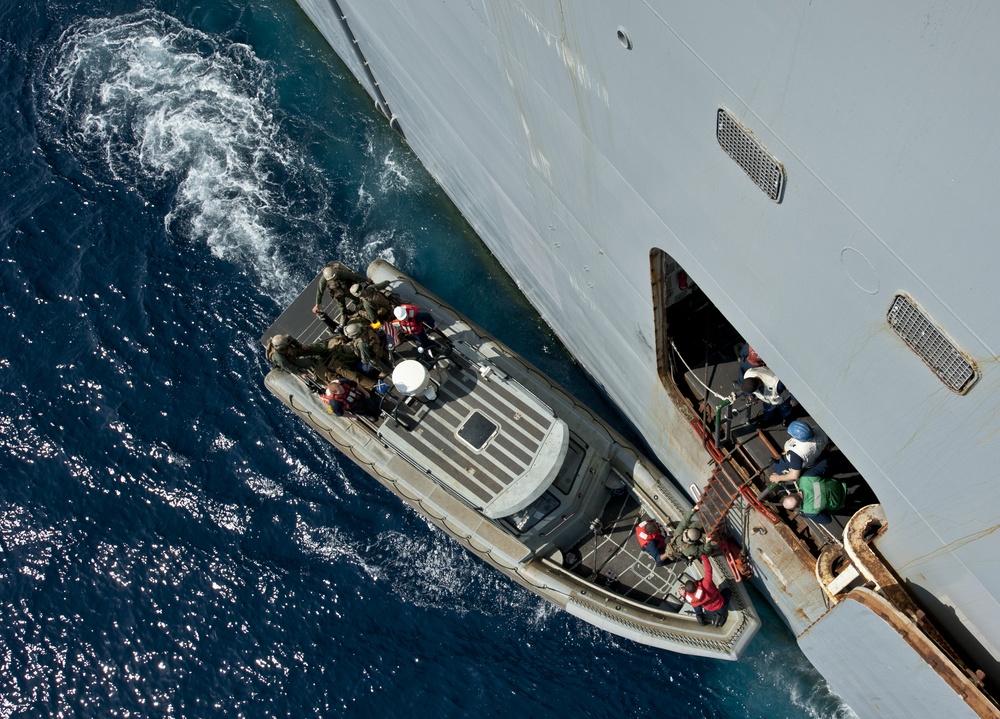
580, 139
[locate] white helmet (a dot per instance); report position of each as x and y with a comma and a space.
329, 273
790, 502
400, 313
356, 289
353, 330
280, 341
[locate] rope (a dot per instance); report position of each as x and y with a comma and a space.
730, 398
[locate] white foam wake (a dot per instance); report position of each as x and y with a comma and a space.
167, 108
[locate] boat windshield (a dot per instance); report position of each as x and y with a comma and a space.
525, 519
571, 467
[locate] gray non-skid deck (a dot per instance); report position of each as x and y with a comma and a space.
478, 436
613, 558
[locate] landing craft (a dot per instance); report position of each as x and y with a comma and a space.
519, 473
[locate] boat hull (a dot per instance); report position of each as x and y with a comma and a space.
539, 568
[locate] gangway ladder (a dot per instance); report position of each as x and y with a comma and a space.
724, 488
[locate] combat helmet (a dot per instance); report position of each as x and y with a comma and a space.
330, 272
692, 535
279, 342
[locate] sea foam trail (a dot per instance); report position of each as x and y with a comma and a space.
186, 118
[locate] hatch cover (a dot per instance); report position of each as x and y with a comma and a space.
477, 430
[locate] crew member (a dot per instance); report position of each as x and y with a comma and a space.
817, 497
287, 353
801, 453
709, 604
370, 347
375, 303
411, 322
689, 538
762, 383
652, 539
343, 395
337, 279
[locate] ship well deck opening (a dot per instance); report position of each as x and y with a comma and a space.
699, 356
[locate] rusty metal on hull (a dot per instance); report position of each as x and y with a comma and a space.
857, 572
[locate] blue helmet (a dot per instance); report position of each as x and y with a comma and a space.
800, 430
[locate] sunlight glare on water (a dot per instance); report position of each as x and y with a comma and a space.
173, 542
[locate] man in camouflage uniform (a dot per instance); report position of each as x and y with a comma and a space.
689, 540
344, 362
287, 353
376, 304
337, 280
369, 346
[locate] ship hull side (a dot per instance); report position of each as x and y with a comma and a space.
573, 156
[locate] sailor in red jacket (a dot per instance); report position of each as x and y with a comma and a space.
411, 322
708, 602
652, 539
345, 396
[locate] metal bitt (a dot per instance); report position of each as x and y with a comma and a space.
728, 407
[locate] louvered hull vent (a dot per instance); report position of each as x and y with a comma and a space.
937, 351
747, 152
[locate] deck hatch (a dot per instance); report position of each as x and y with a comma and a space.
477, 430
747, 152
932, 346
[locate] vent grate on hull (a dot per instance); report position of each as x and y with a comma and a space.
747, 152
936, 350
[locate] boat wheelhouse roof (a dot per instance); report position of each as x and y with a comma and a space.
486, 438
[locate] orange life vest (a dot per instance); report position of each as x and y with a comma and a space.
706, 594
410, 324
645, 536
347, 396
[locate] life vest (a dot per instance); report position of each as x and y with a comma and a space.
769, 391
710, 599
342, 393
809, 449
645, 537
410, 324
821, 495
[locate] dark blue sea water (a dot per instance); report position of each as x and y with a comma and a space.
173, 542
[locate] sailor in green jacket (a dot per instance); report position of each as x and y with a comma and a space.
817, 497
689, 541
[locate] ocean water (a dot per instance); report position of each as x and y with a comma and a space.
172, 541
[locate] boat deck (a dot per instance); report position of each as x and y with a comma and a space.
478, 436
613, 558
478, 459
